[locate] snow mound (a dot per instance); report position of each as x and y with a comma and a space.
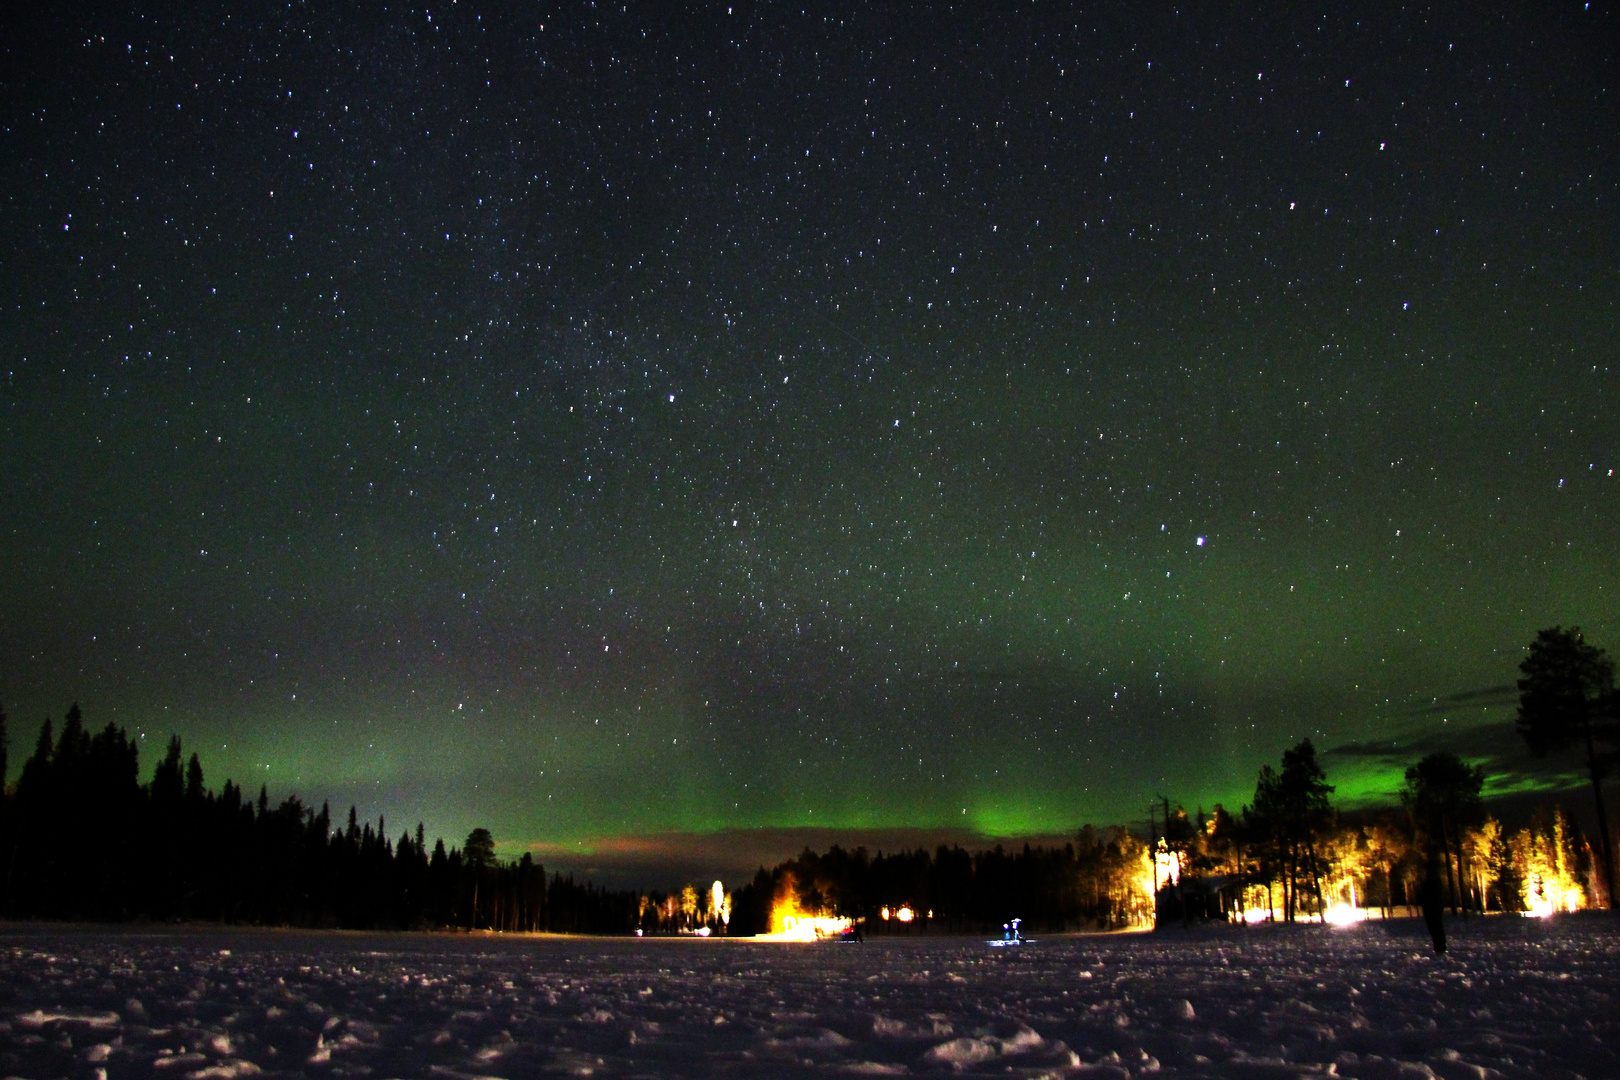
38, 1018
225, 1070
962, 1052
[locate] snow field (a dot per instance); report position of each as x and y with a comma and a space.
1514, 998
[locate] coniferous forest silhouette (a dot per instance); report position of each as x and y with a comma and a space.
82, 837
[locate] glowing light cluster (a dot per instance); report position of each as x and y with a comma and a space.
1344, 915
1167, 865
790, 922
720, 903
1545, 857
806, 928
1544, 897
1140, 898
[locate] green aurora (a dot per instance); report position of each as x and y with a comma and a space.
488, 434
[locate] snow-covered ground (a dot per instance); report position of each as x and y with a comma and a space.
1515, 997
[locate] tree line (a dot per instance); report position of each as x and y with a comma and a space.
1288, 854
1290, 851
81, 837
1291, 854
1097, 880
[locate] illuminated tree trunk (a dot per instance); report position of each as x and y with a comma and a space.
1316, 880
1290, 887
1462, 870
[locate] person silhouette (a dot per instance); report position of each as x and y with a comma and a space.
1431, 895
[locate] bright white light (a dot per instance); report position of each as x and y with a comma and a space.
1344, 915
1200, 541
807, 928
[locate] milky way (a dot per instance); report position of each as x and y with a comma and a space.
599, 420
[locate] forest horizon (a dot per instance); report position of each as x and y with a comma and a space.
633, 860
73, 787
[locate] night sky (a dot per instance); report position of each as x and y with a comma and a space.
599, 421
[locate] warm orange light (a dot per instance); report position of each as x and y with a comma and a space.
905, 914
789, 922
1545, 859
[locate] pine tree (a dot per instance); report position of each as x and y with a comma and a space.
194, 781
1307, 812
1291, 810
33, 852
478, 853
1443, 794
167, 785
1567, 697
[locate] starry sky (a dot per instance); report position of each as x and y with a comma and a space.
604, 422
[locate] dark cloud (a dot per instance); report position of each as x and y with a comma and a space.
1498, 747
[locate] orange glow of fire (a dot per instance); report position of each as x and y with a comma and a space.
789, 922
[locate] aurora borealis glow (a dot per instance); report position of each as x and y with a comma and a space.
601, 421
